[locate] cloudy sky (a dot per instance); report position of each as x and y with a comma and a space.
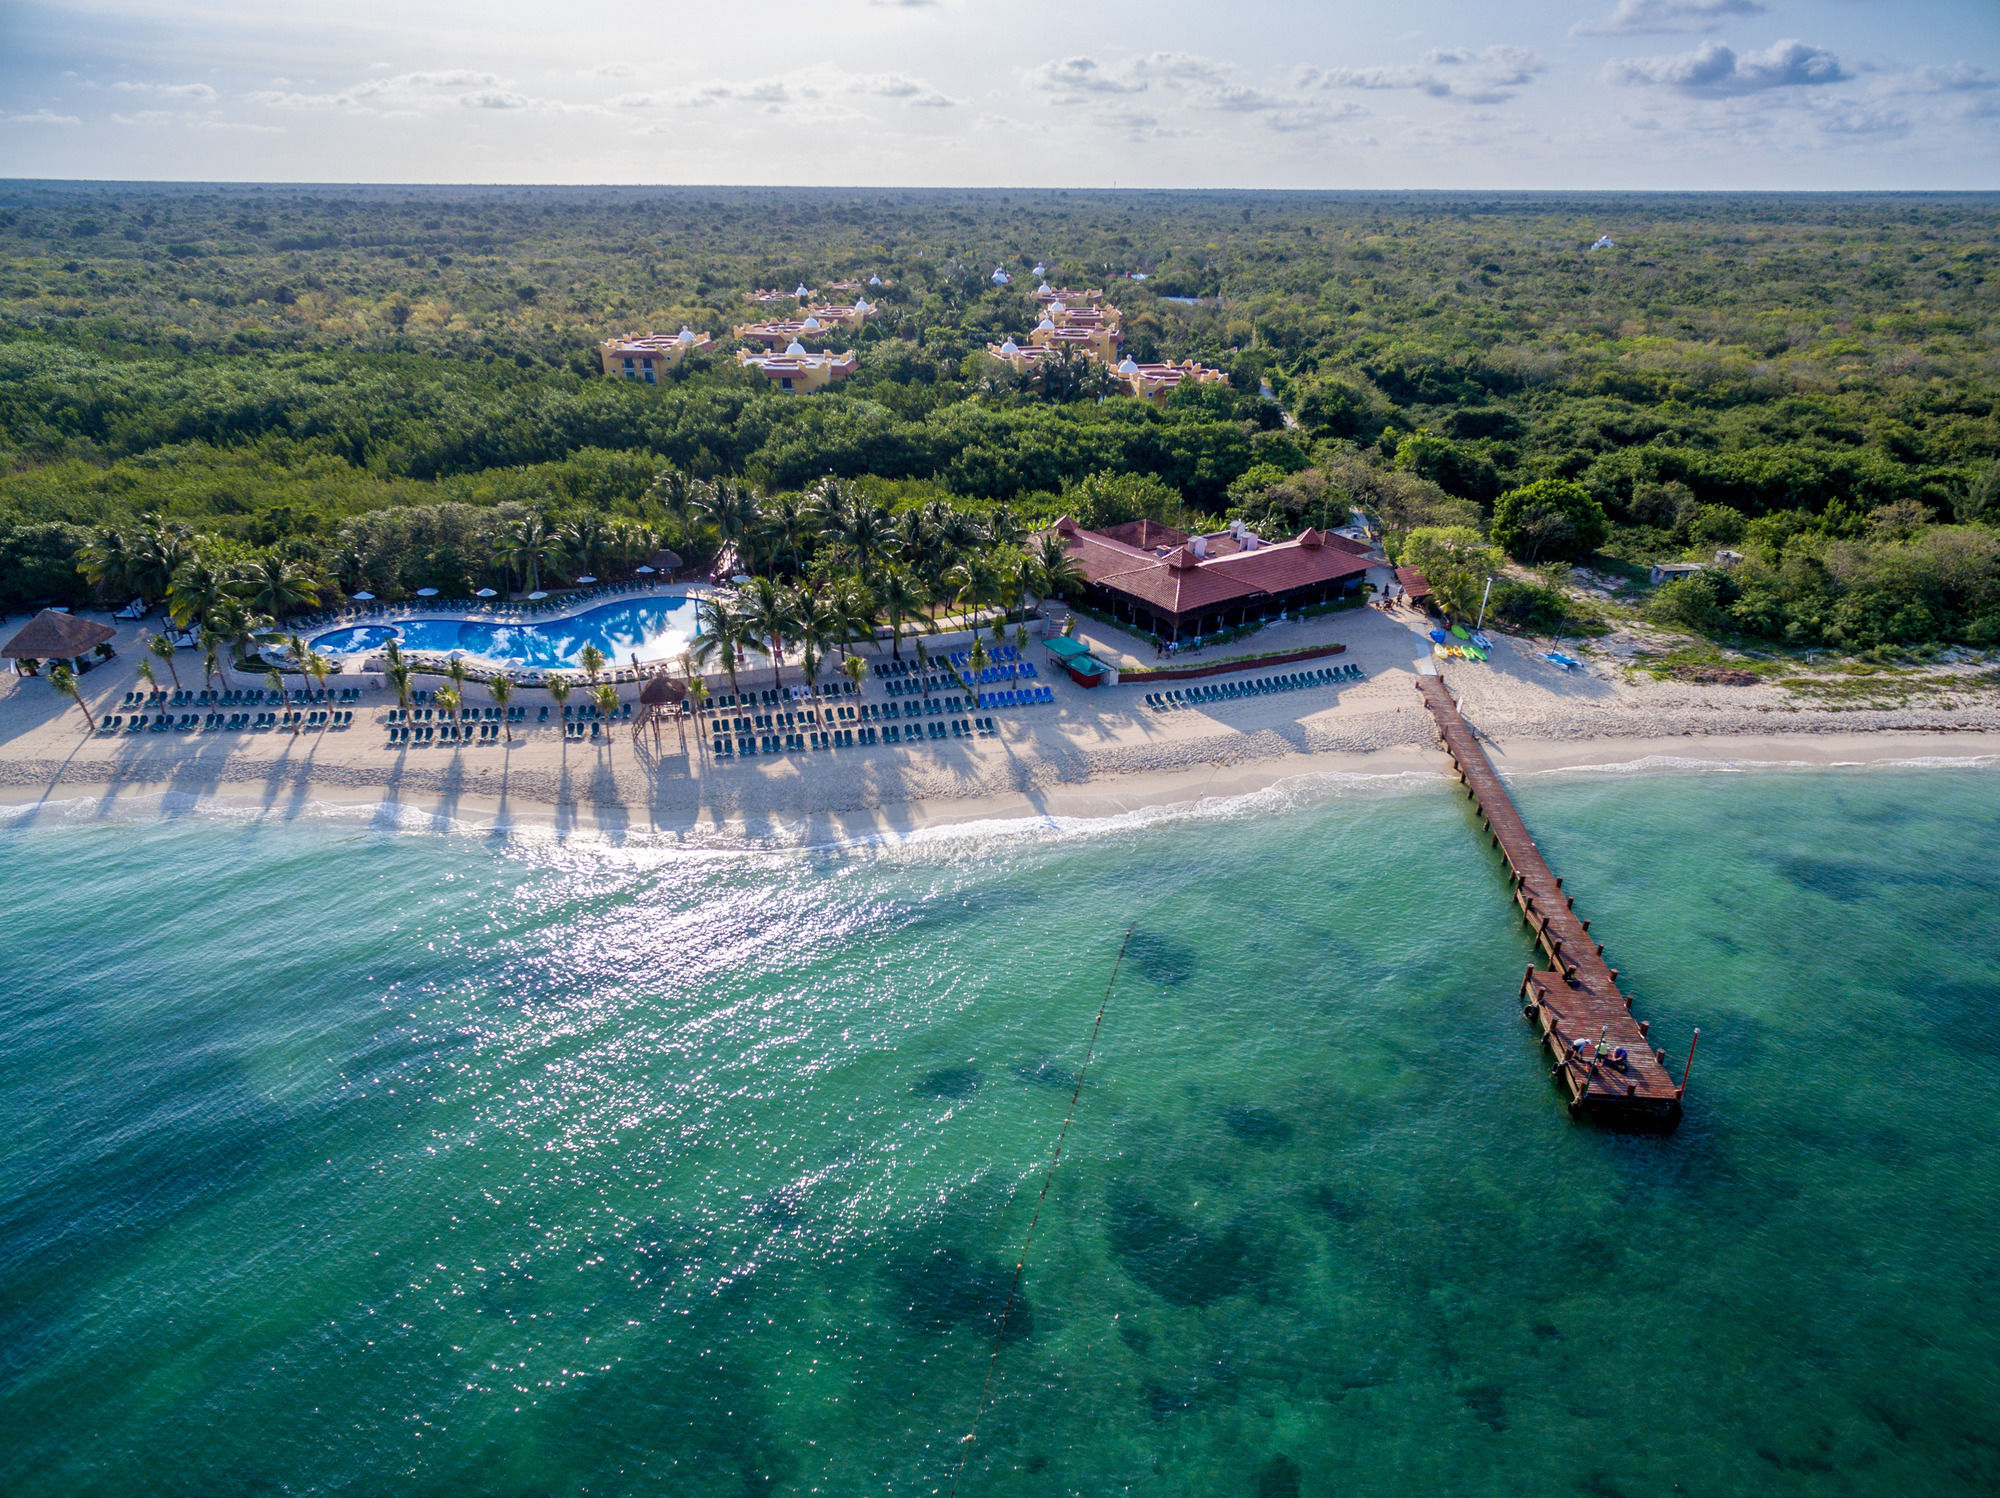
1233, 93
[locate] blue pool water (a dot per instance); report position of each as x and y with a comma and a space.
651, 628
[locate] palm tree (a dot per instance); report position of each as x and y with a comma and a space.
720, 638
163, 647
502, 692
276, 586
239, 626
532, 545
157, 554
768, 611
606, 700
448, 698
916, 542
195, 592
816, 625
854, 611
107, 562
857, 671
456, 671
559, 691
212, 646
972, 585
275, 679
1004, 527
731, 507
1056, 571
318, 667
698, 695
592, 661
975, 662
399, 678
901, 597
832, 503
584, 539
63, 679
788, 525
144, 671
677, 494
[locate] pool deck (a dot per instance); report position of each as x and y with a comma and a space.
1584, 1018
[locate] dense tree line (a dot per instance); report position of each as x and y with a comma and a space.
1805, 381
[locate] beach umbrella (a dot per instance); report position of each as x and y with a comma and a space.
537, 596
485, 593
643, 571
741, 577
585, 580
363, 597
427, 592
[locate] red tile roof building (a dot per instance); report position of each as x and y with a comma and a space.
1048, 293
1172, 584
647, 356
1155, 382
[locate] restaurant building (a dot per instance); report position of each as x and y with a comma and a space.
1166, 582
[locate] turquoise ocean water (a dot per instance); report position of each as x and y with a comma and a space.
338, 1160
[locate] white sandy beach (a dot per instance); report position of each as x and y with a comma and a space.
1092, 753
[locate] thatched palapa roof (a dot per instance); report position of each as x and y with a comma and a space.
661, 690
52, 636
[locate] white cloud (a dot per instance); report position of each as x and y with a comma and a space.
809, 92
911, 91
410, 95
1635, 17
1713, 68
1960, 78
1482, 77
196, 92
1070, 78
43, 117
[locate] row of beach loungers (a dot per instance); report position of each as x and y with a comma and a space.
1229, 691
446, 733
224, 722
749, 746
438, 714
246, 697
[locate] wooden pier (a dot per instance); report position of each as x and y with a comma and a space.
1606, 1063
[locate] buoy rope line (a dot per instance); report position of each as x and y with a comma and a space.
1013, 1290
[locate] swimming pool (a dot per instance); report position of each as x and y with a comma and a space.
651, 628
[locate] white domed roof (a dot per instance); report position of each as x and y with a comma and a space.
686, 335
861, 305
802, 290
1010, 347
795, 347
1045, 326
1128, 367
1055, 307
1044, 288
812, 324
874, 280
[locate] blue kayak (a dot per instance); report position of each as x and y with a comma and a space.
1438, 635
